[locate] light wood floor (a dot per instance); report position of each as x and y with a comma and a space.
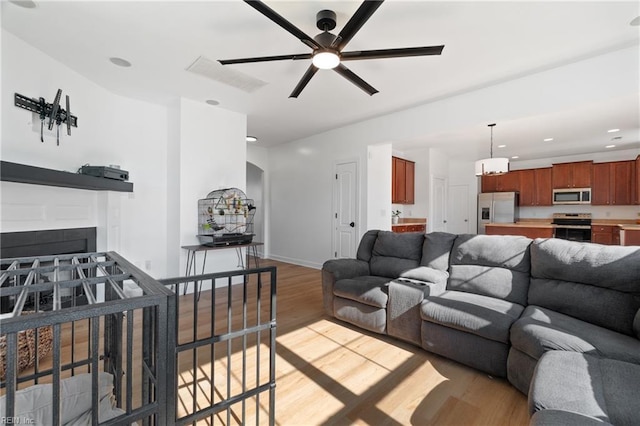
331, 373
328, 372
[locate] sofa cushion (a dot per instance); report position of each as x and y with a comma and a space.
491, 265
540, 330
436, 250
480, 315
369, 290
610, 309
604, 389
564, 418
34, 404
394, 253
613, 267
596, 283
365, 316
365, 248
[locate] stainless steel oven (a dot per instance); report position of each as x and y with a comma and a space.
572, 226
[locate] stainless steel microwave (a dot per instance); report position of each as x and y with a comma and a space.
572, 196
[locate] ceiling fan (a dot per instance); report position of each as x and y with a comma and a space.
328, 48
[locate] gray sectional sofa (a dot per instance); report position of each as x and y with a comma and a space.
559, 319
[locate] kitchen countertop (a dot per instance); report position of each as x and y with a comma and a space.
629, 226
404, 221
626, 224
408, 223
523, 225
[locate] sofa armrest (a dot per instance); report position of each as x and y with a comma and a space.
636, 324
346, 268
339, 269
403, 309
433, 281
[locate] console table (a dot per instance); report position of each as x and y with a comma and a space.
192, 251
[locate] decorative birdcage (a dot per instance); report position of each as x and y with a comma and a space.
225, 217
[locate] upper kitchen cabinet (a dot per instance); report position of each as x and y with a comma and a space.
403, 181
613, 183
535, 187
572, 175
507, 182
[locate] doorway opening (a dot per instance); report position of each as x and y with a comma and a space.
255, 191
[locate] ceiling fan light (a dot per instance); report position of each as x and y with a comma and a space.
326, 60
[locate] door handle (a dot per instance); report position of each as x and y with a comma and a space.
352, 224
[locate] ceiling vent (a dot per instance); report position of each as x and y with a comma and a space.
217, 72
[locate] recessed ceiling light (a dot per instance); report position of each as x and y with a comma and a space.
613, 130
120, 62
27, 4
635, 22
502, 146
515, 157
212, 102
548, 139
610, 146
251, 139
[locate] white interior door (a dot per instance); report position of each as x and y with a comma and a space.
459, 213
345, 197
439, 205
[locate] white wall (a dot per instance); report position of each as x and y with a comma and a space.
175, 155
111, 130
300, 170
301, 182
378, 211
213, 156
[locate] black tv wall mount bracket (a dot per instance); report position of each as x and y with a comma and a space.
52, 111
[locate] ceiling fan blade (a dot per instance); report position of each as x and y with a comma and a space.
275, 17
352, 77
311, 71
391, 53
362, 15
294, 57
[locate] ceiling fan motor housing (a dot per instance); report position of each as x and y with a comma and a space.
326, 20
325, 39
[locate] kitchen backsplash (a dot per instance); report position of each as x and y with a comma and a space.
598, 212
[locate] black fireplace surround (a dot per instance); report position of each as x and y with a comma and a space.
47, 242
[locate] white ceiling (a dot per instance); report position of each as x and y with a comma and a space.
485, 43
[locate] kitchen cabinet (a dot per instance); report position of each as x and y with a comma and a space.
535, 187
572, 175
403, 181
605, 234
631, 237
613, 183
409, 228
525, 231
507, 182
489, 183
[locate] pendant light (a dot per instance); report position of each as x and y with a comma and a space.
492, 166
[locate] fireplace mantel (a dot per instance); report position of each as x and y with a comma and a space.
21, 173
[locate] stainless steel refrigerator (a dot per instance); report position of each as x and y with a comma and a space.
497, 207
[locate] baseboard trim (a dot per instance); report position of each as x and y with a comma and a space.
298, 262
